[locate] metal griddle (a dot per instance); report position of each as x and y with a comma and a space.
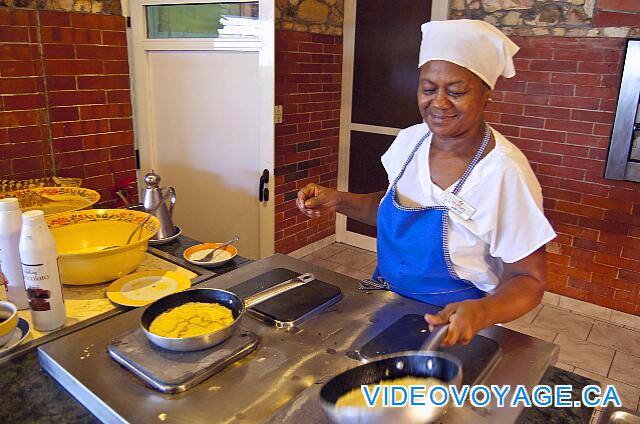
276, 381
175, 372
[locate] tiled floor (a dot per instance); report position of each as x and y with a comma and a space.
594, 341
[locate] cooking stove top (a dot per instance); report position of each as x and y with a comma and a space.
410, 332
279, 377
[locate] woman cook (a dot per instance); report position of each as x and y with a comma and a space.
461, 224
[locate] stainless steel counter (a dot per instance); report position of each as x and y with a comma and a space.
284, 366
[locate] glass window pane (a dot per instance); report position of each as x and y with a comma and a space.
209, 20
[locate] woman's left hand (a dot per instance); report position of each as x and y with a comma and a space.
465, 319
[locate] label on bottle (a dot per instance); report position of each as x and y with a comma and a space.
43, 287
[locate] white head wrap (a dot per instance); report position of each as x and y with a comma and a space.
476, 45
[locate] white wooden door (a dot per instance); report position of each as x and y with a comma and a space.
366, 121
204, 123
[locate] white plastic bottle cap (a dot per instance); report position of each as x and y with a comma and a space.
34, 217
9, 204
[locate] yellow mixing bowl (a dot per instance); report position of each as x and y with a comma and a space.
81, 237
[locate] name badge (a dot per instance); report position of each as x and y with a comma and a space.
457, 205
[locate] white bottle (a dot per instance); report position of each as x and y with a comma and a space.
41, 275
10, 268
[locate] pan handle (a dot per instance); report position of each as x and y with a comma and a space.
298, 281
435, 338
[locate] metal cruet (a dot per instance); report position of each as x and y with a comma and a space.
153, 194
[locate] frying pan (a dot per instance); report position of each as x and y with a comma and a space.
424, 363
225, 298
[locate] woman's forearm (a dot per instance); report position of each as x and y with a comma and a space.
361, 207
511, 300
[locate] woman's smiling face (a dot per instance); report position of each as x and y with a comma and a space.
451, 98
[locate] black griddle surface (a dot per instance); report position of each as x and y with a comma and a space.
291, 306
409, 333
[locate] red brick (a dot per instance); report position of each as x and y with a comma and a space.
58, 51
612, 80
574, 102
118, 96
609, 227
23, 102
24, 165
572, 126
604, 18
560, 217
55, 83
86, 36
101, 52
521, 121
10, 51
527, 99
539, 134
599, 92
72, 67
553, 42
101, 81
67, 144
539, 157
579, 209
565, 149
17, 85
114, 38
599, 154
547, 112
561, 171
587, 140
554, 89
599, 268
592, 116
24, 134
123, 124
580, 163
20, 118
619, 5
553, 65
19, 68
581, 79
54, 19
105, 111
14, 34
69, 98
592, 55
598, 247
631, 253
60, 114
56, 35
116, 67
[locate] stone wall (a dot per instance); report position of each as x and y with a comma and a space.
560, 18
314, 16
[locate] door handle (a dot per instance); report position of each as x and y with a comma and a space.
263, 192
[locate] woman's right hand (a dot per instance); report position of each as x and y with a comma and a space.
314, 200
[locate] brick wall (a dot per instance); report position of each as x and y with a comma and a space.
559, 110
24, 137
308, 76
65, 78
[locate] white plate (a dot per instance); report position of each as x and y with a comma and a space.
19, 334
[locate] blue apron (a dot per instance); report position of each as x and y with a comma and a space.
413, 253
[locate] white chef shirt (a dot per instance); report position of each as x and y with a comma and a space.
509, 222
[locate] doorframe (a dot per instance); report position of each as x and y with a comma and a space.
144, 135
439, 11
